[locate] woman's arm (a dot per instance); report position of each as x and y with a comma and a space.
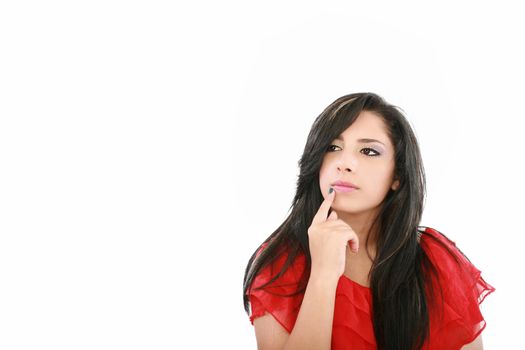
477, 344
313, 327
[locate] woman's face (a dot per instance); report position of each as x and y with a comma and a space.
369, 165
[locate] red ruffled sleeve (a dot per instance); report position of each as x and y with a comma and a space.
464, 289
271, 298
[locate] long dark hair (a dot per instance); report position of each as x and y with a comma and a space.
401, 268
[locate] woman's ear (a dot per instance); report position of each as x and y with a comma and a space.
395, 185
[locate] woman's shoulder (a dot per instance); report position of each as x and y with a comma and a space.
291, 274
437, 245
426, 232
447, 257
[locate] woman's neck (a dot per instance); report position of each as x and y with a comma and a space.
361, 225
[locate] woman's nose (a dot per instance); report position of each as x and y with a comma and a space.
346, 163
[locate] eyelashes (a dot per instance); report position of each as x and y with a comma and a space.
329, 149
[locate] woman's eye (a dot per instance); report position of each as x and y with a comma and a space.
366, 149
373, 150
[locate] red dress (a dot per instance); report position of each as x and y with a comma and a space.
463, 290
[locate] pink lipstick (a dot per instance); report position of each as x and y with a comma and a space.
344, 188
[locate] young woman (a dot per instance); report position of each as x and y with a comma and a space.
350, 267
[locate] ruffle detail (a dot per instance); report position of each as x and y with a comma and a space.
352, 316
456, 322
272, 298
464, 289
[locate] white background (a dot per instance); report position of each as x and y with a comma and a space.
148, 148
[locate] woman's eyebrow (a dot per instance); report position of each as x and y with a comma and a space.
364, 140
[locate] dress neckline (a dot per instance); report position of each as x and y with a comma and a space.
351, 281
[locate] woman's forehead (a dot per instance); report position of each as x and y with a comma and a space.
368, 127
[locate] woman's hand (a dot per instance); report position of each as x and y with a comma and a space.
328, 238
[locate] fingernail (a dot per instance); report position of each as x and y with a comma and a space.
330, 190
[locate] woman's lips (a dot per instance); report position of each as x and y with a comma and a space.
339, 188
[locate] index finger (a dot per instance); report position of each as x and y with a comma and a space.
322, 212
